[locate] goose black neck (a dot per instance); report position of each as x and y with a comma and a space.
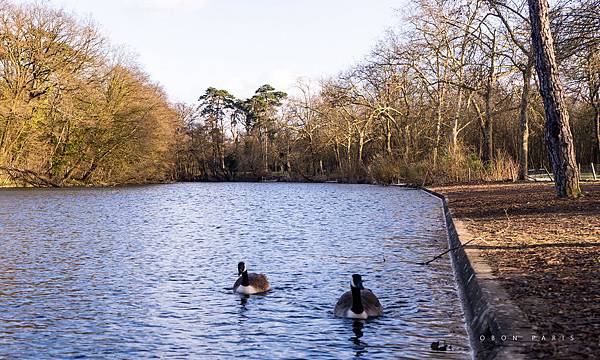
357, 306
245, 281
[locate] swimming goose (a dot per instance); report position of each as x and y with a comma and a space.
358, 303
251, 283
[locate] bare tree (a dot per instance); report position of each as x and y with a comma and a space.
516, 26
558, 132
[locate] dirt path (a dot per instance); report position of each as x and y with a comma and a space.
546, 253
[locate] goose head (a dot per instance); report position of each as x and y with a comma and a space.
241, 268
356, 282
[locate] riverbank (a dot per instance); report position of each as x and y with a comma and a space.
545, 253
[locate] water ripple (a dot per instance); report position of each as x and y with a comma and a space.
143, 272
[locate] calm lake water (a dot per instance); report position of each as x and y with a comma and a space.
144, 272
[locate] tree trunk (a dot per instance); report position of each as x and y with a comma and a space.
593, 82
524, 122
388, 137
266, 154
361, 144
456, 124
438, 128
488, 144
407, 143
559, 139
338, 157
597, 131
441, 92
349, 146
313, 157
222, 145
288, 164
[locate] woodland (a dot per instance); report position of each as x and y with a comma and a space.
450, 94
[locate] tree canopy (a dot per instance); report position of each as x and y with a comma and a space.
445, 96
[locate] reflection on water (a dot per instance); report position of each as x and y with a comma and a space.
359, 346
141, 272
243, 301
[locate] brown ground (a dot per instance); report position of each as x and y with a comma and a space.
546, 253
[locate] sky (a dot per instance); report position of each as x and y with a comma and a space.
239, 45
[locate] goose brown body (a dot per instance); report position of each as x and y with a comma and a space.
358, 303
371, 304
259, 282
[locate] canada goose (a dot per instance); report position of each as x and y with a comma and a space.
358, 303
250, 283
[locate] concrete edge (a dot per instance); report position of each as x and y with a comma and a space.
497, 328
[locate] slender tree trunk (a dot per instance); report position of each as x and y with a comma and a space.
597, 132
222, 144
441, 91
437, 139
313, 157
593, 83
559, 139
407, 144
456, 123
338, 157
488, 144
438, 128
349, 147
266, 154
524, 122
597, 127
388, 137
288, 165
222, 159
481, 121
361, 144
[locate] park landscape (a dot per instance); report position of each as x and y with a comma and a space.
493, 104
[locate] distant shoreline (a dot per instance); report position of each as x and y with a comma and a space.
124, 185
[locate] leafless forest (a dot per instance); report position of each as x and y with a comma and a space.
450, 94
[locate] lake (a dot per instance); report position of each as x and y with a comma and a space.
146, 272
